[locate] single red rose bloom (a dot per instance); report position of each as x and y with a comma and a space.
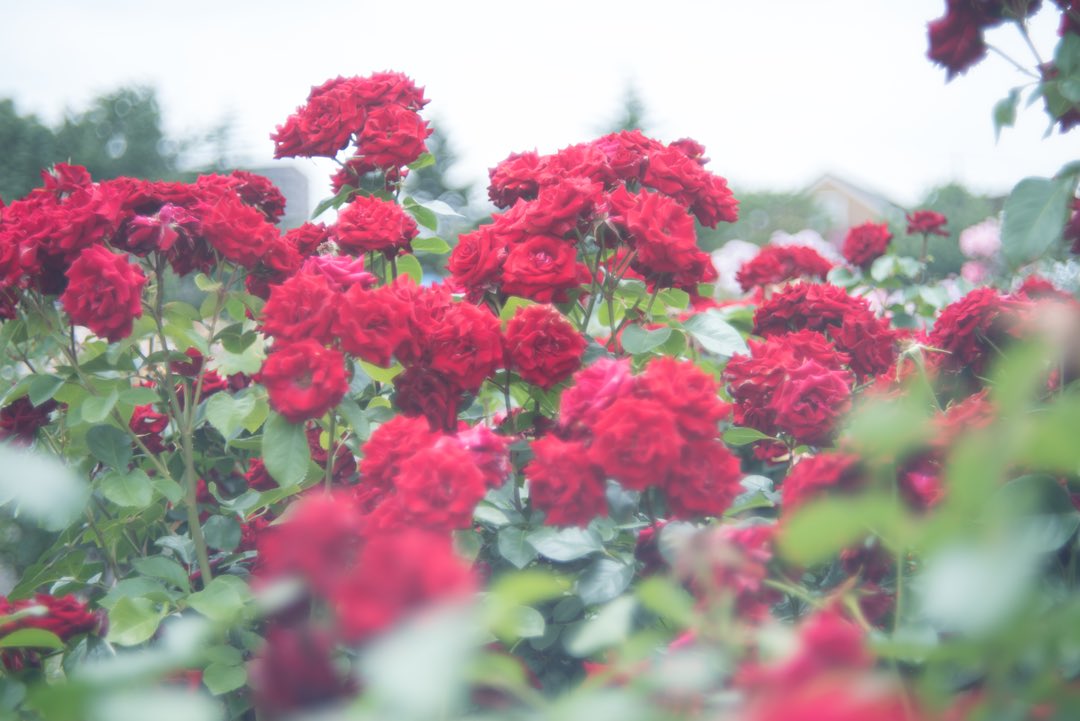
543, 346
926, 222
104, 292
865, 243
304, 379
564, 483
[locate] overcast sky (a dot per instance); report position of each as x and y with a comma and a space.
779, 92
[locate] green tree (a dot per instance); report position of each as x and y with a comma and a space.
431, 183
763, 213
26, 146
963, 209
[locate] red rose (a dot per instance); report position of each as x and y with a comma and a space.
342, 271
690, 393
926, 222
20, 419
308, 237
563, 207
390, 444
564, 483
438, 488
466, 345
104, 293
704, 482
815, 476
660, 229
296, 670
779, 263
258, 478
304, 306
65, 616
714, 203
973, 329
594, 389
148, 425
304, 379
542, 268
956, 40
582, 160
422, 392
370, 224
476, 261
324, 125
393, 137
810, 401
636, 442
490, 452
544, 347
627, 152
371, 323
236, 230
865, 243
514, 178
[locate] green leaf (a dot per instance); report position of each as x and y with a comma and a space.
138, 396
1005, 112
222, 533
520, 622
133, 620
715, 334
285, 450
381, 375
511, 306
206, 284
667, 600
636, 340
821, 529
254, 420
674, 298
31, 638
425, 160
249, 361
335, 202
43, 387
605, 579
434, 244
424, 216
97, 408
610, 627
222, 600
227, 413
1035, 214
742, 436
220, 678
514, 548
41, 487
165, 569
566, 544
132, 489
410, 266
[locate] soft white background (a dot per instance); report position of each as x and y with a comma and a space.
778, 91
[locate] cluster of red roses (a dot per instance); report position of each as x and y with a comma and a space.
658, 429
779, 263
64, 616
602, 191
379, 113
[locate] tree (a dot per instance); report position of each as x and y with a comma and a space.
26, 147
963, 209
763, 213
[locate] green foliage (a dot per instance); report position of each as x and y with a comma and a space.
762, 213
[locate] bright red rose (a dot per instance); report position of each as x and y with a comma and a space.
466, 345
393, 137
64, 179
973, 329
581, 160
65, 616
779, 263
476, 261
438, 488
865, 243
304, 306
824, 473
563, 207
834, 698
542, 268
674, 173
704, 482
514, 178
304, 379
370, 224
322, 127
543, 346
236, 230
690, 393
627, 152
371, 323
659, 229
490, 452
390, 444
926, 222
564, 483
636, 442
594, 389
159, 231
714, 203
810, 401
104, 293
399, 574
308, 237
342, 271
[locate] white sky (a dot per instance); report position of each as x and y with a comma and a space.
779, 91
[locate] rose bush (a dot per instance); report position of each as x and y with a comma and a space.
565, 481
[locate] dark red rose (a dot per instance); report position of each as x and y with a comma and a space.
660, 229
627, 152
544, 348
542, 268
20, 419
514, 178
148, 425
372, 324
258, 478
422, 392
104, 293
344, 470
779, 263
390, 444
704, 482
437, 488
973, 329
636, 442
690, 393
308, 237
466, 345
563, 207
393, 136
238, 231
564, 483
594, 388
304, 306
322, 127
159, 231
810, 401
65, 616
65, 179
731, 562
304, 379
370, 224
295, 671
865, 243
926, 222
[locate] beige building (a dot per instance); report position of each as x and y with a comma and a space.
848, 204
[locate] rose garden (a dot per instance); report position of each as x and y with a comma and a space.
569, 479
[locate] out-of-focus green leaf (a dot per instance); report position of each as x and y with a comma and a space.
285, 450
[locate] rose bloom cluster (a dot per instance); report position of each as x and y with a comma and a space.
780, 263
379, 113
64, 616
658, 429
633, 198
75, 238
